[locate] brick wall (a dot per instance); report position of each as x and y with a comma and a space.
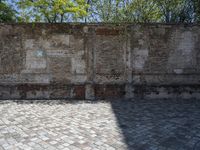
99, 61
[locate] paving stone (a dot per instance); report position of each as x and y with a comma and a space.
120, 125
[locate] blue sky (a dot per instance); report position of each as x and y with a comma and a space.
12, 2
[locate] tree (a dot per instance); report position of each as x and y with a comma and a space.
52, 11
101, 11
177, 11
143, 11
186, 14
197, 10
166, 11
124, 11
171, 9
7, 14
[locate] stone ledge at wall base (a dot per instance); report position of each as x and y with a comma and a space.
167, 91
97, 92
42, 91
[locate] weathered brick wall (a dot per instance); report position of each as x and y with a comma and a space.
80, 61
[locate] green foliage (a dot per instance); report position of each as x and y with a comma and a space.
7, 14
197, 10
52, 10
166, 11
170, 9
124, 10
144, 11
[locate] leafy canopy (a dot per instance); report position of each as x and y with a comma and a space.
52, 10
174, 11
7, 14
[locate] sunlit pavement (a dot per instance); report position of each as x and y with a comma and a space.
109, 125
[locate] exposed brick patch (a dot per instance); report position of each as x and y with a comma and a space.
79, 92
24, 89
60, 91
31, 87
109, 91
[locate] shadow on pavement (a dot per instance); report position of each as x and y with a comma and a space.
159, 124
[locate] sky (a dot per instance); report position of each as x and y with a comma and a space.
12, 2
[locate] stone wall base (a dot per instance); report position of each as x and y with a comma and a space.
98, 91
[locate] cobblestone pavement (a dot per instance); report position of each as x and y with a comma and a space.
111, 125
